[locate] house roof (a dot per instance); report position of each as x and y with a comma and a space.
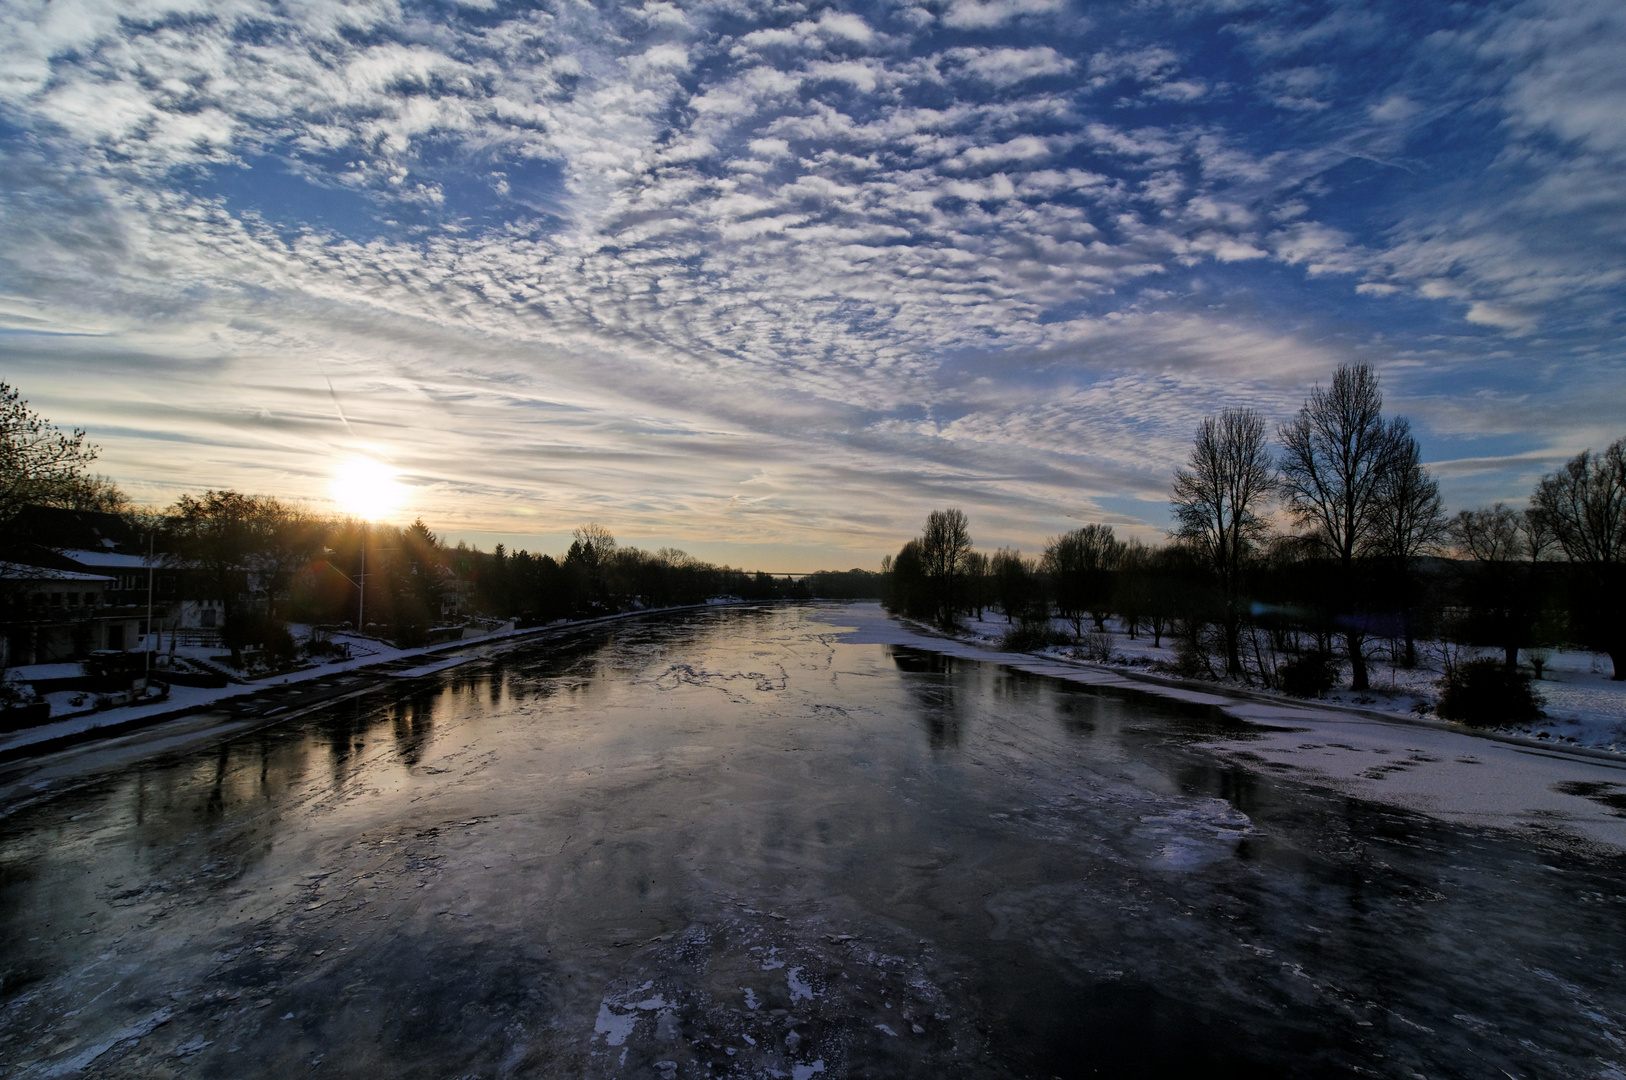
18, 572
111, 560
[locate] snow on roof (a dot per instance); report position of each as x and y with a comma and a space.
21, 572
109, 559
30, 672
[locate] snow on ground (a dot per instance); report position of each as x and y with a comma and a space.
1443, 770
1584, 706
364, 652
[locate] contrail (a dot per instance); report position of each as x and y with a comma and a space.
334, 394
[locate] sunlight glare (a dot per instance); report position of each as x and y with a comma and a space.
367, 488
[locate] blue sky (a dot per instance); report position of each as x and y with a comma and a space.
769, 281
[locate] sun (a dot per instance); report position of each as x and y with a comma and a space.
367, 488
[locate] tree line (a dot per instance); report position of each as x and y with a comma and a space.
1334, 546
267, 561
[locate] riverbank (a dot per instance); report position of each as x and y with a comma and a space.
1562, 794
1440, 769
744, 843
381, 663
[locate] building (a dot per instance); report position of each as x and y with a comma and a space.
49, 614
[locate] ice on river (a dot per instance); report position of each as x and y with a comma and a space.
748, 842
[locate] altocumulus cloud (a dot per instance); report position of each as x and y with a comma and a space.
789, 274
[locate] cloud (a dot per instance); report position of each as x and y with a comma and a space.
1305, 89
986, 14
617, 260
1490, 315
1008, 67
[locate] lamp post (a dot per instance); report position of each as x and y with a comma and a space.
361, 585
146, 653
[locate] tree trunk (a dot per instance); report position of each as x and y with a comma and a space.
228, 630
1357, 662
1233, 650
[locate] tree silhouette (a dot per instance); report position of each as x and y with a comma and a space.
1080, 565
944, 547
1584, 505
1217, 499
41, 464
1336, 458
1015, 586
229, 538
1410, 522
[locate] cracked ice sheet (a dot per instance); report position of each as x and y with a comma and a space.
1449, 774
1012, 875
1444, 774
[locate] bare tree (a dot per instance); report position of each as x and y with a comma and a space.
1584, 505
1540, 541
1410, 522
1488, 535
1217, 499
1080, 564
591, 549
1014, 585
944, 546
1411, 515
1492, 540
976, 569
1336, 458
594, 540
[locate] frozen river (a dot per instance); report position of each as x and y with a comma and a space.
743, 843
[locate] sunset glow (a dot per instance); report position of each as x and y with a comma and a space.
368, 489
768, 283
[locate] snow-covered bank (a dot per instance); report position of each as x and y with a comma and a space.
365, 653
1583, 705
1431, 767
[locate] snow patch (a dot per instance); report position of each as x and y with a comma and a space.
613, 1026
799, 990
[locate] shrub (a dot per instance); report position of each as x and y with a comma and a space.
1484, 693
1308, 675
1195, 652
1095, 645
280, 648
1028, 636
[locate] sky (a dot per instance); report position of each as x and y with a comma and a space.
769, 281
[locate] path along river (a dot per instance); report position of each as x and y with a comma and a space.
744, 842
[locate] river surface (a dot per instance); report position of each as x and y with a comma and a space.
741, 843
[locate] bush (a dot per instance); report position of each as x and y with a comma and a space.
1308, 675
1095, 645
1196, 648
1484, 693
1029, 636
